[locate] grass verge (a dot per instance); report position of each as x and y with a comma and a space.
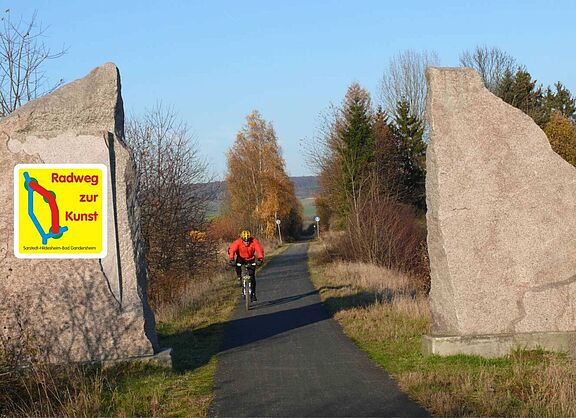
382, 313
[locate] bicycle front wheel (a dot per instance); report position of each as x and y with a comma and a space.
247, 294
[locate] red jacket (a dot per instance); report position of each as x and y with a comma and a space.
246, 251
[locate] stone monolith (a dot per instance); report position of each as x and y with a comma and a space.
76, 309
501, 224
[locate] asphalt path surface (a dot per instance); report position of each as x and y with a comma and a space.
288, 357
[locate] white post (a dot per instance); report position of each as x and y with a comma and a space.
279, 233
317, 219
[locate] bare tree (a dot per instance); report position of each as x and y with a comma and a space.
405, 80
172, 193
22, 57
491, 63
322, 156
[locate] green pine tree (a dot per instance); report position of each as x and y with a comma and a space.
409, 133
356, 143
559, 101
519, 90
386, 167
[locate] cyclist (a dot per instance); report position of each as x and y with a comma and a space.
245, 250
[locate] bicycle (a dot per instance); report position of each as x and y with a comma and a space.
246, 282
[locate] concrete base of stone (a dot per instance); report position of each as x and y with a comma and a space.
162, 359
497, 345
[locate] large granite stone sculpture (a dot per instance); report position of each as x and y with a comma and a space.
76, 309
501, 224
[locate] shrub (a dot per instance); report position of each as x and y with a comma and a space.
387, 233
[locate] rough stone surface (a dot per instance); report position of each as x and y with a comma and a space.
501, 224
83, 309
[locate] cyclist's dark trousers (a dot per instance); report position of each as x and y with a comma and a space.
251, 271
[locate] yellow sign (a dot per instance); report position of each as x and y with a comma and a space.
60, 210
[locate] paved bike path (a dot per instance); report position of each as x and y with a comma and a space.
288, 357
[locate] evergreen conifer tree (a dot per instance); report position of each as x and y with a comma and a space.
356, 142
521, 91
386, 167
409, 133
559, 101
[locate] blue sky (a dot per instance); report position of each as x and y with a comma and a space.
215, 61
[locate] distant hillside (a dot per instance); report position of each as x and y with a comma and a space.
305, 188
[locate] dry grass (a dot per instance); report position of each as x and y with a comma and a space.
545, 387
46, 390
371, 277
362, 293
190, 296
385, 314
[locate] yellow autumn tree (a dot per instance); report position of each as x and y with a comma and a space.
259, 190
561, 132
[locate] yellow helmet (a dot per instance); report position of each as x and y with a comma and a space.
245, 235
